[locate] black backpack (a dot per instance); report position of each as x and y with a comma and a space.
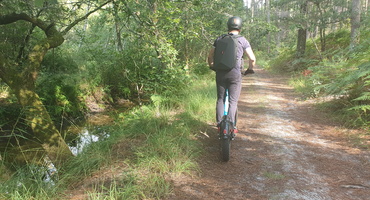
224, 58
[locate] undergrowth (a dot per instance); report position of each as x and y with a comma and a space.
146, 147
339, 74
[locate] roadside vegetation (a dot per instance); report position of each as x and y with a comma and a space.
337, 79
146, 147
338, 75
144, 65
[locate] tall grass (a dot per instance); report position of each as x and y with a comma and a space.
167, 147
145, 149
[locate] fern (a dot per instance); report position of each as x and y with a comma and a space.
363, 108
346, 80
364, 97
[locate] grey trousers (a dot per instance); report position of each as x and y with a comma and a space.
230, 80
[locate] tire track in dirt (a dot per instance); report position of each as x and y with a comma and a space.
285, 150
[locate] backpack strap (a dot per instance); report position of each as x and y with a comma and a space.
223, 36
232, 35
236, 36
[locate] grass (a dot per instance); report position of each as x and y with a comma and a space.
147, 147
273, 175
360, 140
303, 86
27, 183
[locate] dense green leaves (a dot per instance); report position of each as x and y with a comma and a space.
150, 50
134, 49
42, 3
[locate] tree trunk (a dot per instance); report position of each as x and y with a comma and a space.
117, 26
42, 126
355, 23
22, 79
322, 39
322, 27
302, 33
268, 21
301, 42
253, 7
37, 117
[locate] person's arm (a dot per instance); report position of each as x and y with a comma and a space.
251, 57
210, 57
251, 60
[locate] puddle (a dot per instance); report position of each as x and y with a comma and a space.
78, 137
85, 138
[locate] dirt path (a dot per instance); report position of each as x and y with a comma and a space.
284, 150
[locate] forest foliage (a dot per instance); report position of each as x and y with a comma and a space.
337, 71
79, 57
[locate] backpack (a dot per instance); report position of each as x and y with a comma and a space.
224, 58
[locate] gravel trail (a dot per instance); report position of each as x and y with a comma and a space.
285, 149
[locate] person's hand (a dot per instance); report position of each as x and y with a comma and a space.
249, 71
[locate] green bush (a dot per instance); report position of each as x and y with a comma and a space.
58, 85
343, 74
283, 62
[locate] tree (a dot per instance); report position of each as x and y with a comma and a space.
268, 22
302, 32
355, 23
21, 72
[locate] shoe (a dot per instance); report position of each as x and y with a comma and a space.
219, 131
233, 134
249, 71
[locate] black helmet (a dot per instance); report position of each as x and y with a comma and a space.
234, 23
